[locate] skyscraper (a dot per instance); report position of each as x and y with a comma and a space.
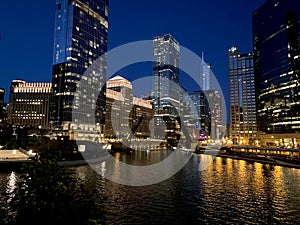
3, 114
202, 111
166, 74
243, 128
276, 42
206, 75
81, 29
166, 89
2, 93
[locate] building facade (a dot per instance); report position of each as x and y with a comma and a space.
276, 36
3, 108
166, 89
3, 113
166, 74
29, 104
206, 75
243, 124
2, 94
119, 96
78, 74
217, 130
126, 113
202, 111
208, 105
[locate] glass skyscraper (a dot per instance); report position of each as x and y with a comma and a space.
243, 127
166, 90
206, 75
276, 42
81, 33
166, 74
202, 113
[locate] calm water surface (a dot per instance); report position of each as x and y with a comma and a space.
227, 192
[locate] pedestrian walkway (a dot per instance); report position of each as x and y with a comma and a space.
12, 155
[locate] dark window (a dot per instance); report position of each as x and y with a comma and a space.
59, 6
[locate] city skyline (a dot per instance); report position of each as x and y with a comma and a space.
195, 27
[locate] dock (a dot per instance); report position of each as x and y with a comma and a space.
13, 159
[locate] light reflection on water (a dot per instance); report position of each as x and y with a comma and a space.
11, 184
8, 182
229, 191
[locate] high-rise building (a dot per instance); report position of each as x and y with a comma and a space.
2, 93
208, 105
206, 75
243, 127
81, 29
166, 89
166, 74
124, 112
29, 104
3, 113
119, 103
200, 102
276, 42
214, 99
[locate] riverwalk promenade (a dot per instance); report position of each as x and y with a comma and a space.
14, 159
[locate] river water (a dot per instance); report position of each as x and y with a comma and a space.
229, 191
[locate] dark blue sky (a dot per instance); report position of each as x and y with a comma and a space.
27, 30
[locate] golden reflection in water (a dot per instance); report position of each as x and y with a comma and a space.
219, 167
279, 185
269, 182
258, 178
242, 172
295, 171
116, 171
229, 163
261, 178
117, 155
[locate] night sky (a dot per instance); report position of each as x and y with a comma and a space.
27, 30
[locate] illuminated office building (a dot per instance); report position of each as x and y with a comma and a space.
3, 111
166, 74
165, 90
202, 110
208, 105
206, 75
125, 112
29, 104
243, 127
276, 42
81, 29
